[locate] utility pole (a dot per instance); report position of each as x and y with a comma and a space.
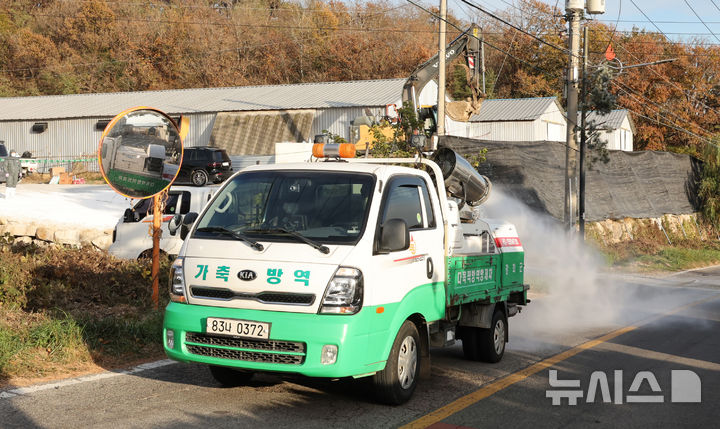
574, 9
583, 137
441, 69
482, 62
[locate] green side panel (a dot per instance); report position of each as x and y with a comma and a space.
512, 269
364, 339
488, 278
472, 278
137, 182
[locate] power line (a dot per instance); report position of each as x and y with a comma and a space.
665, 78
698, 16
147, 60
639, 21
669, 112
224, 24
163, 5
483, 41
648, 18
674, 127
527, 33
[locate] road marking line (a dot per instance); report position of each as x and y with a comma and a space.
665, 357
20, 391
496, 386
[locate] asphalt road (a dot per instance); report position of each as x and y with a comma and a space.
660, 331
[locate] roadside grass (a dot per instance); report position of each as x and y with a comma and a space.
645, 256
63, 309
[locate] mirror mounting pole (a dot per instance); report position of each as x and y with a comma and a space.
158, 202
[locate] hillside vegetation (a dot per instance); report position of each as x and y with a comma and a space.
83, 46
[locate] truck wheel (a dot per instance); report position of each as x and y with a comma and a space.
486, 345
199, 178
230, 377
396, 383
470, 340
491, 341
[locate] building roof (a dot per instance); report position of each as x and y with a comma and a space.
364, 93
611, 121
514, 109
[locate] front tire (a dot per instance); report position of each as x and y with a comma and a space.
229, 377
199, 177
396, 383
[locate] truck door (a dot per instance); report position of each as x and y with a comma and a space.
421, 266
132, 235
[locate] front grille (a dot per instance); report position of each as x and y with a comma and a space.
207, 292
243, 343
286, 298
246, 355
264, 297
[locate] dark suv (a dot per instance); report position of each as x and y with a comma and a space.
203, 164
3, 154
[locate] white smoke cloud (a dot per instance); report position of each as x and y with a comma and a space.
564, 275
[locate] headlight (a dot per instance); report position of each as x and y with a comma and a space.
344, 293
177, 281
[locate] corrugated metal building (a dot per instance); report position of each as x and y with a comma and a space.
521, 119
248, 120
617, 127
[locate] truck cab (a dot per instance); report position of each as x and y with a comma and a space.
339, 269
131, 239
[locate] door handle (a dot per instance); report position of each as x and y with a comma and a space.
429, 268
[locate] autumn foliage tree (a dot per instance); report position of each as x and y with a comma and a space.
82, 46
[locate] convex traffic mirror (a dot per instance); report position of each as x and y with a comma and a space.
140, 152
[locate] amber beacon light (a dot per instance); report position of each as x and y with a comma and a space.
334, 150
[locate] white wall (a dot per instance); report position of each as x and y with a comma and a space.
619, 139
550, 126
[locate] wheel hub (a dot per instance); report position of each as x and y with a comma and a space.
407, 362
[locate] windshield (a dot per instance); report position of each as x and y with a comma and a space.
328, 207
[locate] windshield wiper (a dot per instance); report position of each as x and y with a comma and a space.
321, 247
254, 244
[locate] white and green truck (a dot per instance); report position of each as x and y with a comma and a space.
343, 268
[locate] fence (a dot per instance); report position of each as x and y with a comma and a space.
631, 185
78, 163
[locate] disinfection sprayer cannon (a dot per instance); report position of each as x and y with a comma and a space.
462, 181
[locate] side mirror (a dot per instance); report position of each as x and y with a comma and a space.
187, 222
127, 216
174, 224
394, 236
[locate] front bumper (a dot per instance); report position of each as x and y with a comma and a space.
312, 331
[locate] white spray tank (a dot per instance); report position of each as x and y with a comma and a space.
462, 181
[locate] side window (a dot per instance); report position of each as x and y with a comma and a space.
171, 204
142, 208
185, 202
488, 244
403, 202
429, 215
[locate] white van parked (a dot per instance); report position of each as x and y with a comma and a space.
131, 237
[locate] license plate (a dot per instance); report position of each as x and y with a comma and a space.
225, 164
238, 328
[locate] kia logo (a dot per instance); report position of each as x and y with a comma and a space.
247, 275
